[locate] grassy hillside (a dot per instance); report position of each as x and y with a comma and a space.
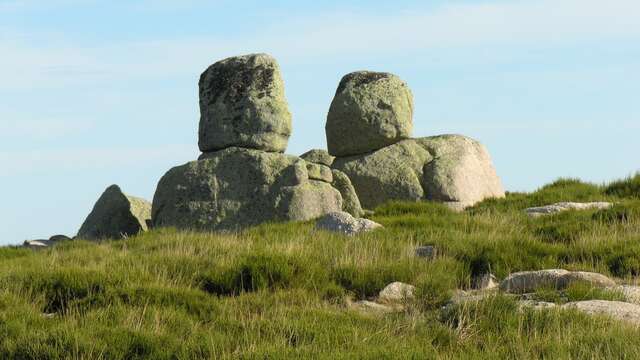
279, 290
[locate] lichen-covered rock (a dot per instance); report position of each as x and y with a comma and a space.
528, 281
319, 172
486, 281
397, 292
566, 206
370, 110
622, 311
591, 278
237, 187
242, 103
318, 156
343, 222
116, 215
449, 168
350, 201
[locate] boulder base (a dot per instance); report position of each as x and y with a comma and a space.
453, 169
237, 187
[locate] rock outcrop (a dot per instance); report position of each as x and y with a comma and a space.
242, 178
558, 279
236, 187
343, 222
115, 216
242, 104
370, 110
452, 169
617, 310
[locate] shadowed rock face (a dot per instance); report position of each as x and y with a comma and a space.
242, 104
237, 187
370, 110
116, 215
450, 168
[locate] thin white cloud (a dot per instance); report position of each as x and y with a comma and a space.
27, 64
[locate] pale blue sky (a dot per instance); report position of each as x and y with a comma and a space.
101, 92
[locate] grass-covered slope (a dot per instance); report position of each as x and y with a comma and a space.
279, 290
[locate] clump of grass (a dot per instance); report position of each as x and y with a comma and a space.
626, 188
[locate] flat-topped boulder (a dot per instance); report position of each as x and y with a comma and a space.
318, 156
617, 310
236, 187
115, 216
453, 169
370, 110
242, 103
344, 223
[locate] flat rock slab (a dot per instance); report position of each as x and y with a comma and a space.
343, 222
115, 216
565, 206
529, 281
374, 308
616, 309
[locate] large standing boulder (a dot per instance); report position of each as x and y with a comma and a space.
370, 110
242, 104
350, 201
237, 187
453, 169
116, 215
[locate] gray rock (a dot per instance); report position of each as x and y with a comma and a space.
319, 172
558, 279
615, 309
484, 282
566, 206
115, 216
350, 201
346, 224
56, 238
373, 308
631, 293
594, 279
236, 188
318, 156
450, 168
536, 305
242, 103
370, 110
37, 244
428, 252
397, 292
528, 281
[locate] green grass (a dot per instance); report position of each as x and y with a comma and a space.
280, 290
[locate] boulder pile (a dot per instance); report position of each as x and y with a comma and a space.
242, 177
368, 130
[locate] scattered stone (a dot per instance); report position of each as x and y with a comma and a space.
350, 201
343, 222
235, 188
370, 307
370, 110
630, 293
484, 282
242, 103
37, 244
452, 169
565, 206
319, 172
397, 292
115, 216
318, 156
536, 305
528, 281
428, 252
616, 309
594, 279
